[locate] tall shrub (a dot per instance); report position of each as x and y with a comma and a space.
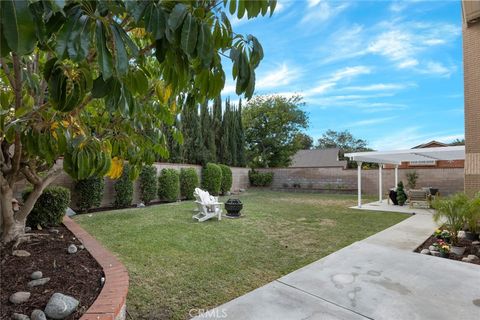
169, 185
148, 184
124, 189
401, 195
226, 178
188, 182
412, 178
260, 179
89, 193
49, 208
212, 178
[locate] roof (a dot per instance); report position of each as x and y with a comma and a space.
398, 156
431, 144
316, 158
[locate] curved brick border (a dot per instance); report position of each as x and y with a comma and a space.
111, 302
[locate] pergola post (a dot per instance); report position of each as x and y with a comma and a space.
396, 175
359, 182
380, 180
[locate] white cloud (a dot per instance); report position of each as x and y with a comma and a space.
281, 76
369, 122
343, 74
437, 68
377, 87
320, 11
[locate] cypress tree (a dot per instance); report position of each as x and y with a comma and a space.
232, 140
192, 133
241, 158
225, 136
217, 127
208, 135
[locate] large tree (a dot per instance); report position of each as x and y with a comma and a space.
95, 80
303, 141
271, 124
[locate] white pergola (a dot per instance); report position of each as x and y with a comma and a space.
396, 157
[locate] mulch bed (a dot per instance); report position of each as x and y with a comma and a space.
77, 275
470, 249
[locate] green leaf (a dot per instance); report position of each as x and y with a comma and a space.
189, 35
204, 45
121, 56
161, 48
241, 9
104, 55
18, 26
177, 16
233, 6
63, 36
136, 8
100, 87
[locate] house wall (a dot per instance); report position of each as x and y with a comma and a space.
471, 65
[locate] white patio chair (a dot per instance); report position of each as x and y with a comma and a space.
208, 206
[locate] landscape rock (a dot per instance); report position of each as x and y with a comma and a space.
102, 281
19, 297
475, 243
242, 190
38, 282
69, 212
72, 248
38, 314
425, 251
20, 316
60, 306
432, 248
21, 253
435, 253
473, 258
227, 193
36, 275
81, 247
53, 230
461, 234
141, 205
28, 229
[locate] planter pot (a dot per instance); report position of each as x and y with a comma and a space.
233, 207
459, 251
444, 254
472, 236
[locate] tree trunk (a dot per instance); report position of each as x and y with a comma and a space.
11, 228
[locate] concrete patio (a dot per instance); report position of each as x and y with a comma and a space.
389, 207
376, 278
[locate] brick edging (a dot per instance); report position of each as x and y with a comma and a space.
111, 302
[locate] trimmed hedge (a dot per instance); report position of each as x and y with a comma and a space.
148, 184
260, 179
124, 189
49, 208
188, 182
226, 178
89, 193
212, 178
169, 185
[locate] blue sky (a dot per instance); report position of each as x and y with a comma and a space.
388, 71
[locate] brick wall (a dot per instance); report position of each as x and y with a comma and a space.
471, 64
448, 180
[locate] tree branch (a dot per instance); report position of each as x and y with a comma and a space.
6, 69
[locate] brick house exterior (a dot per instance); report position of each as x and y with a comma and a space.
471, 66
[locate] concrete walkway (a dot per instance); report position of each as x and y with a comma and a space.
376, 278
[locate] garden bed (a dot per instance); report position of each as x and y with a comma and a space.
77, 275
470, 249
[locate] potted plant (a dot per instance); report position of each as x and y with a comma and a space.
472, 216
443, 248
401, 196
452, 211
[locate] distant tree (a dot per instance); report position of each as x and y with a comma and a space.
271, 124
192, 134
457, 142
217, 126
346, 142
226, 156
303, 141
209, 153
241, 157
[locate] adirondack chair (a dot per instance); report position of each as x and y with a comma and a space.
208, 206
419, 198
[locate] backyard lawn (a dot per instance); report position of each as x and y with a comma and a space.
177, 264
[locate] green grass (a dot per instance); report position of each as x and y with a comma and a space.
176, 264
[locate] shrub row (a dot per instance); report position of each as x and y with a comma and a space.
260, 179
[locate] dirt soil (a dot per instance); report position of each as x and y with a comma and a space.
77, 275
470, 249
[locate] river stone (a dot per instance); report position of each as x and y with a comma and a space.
19, 297
425, 251
81, 247
60, 306
432, 248
36, 275
21, 253
38, 282
461, 234
72, 248
28, 229
20, 316
38, 314
435, 253
53, 230
475, 243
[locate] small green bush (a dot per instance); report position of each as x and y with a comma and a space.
188, 182
226, 178
49, 208
89, 193
260, 179
148, 184
169, 185
401, 195
124, 189
212, 178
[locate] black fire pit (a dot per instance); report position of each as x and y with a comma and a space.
233, 207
